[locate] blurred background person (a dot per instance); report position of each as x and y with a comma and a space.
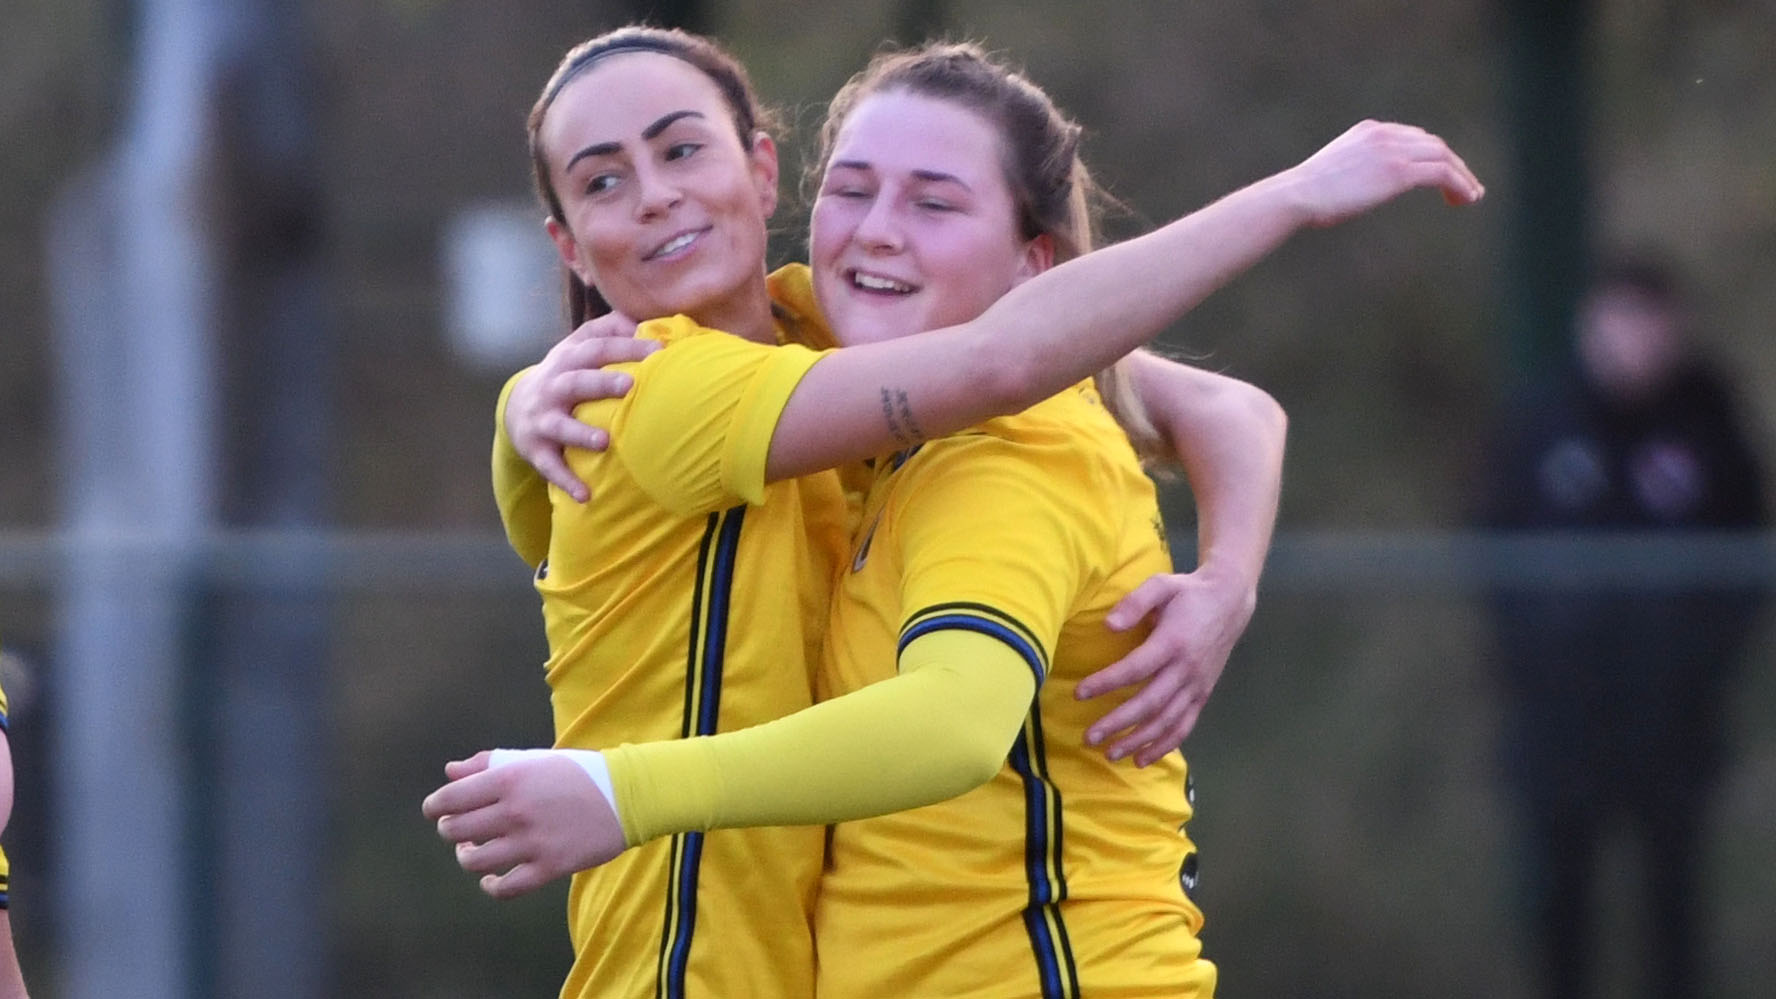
1612, 695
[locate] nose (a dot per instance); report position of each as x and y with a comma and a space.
656, 194
879, 229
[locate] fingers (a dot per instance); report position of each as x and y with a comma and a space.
460, 795
458, 769
491, 857
551, 465
1141, 601
1165, 732
476, 824
1431, 163
570, 388
1434, 164
600, 351
520, 880
558, 429
1374, 162
1137, 710
1137, 666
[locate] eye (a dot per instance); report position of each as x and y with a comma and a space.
682, 150
935, 205
599, 183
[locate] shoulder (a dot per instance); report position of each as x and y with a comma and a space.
1059, 451
693, 354
1071, 430
799, 319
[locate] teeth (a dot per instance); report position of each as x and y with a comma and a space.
874, 283
676, 245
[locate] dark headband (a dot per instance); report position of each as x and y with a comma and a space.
629, 45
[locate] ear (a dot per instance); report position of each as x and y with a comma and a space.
569, 250
764, 170
1038, 256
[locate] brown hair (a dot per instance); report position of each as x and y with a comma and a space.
584, 302
1050, 185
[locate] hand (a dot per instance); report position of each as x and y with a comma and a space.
1374, 162
1201, 615
525, 824
539, 411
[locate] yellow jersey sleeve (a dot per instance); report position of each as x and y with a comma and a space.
696, 428
521, 494
5, 865
798, 315
995, 537
940, 728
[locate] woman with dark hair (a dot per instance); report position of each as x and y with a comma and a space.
711, 497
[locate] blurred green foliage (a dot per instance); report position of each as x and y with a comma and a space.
1353, 842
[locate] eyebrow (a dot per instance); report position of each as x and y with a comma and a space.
660, 124
931, 176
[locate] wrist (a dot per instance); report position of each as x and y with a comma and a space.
590, 761
1287, 195
1237, 578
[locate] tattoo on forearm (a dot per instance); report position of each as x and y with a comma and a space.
906, 417
897, 410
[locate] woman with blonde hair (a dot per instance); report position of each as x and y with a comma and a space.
976, 589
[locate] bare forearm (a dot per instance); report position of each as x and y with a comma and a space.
1083, 315
1229, 437
1045, 334
1075, 319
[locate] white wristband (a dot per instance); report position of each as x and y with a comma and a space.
589, 760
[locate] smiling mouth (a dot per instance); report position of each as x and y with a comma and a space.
877, 284
676, 244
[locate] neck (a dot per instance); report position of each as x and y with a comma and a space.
746, 314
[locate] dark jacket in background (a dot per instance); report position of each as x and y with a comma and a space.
1613, 694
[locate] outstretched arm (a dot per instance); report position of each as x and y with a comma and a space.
1052, 330
1077, 318
940, 727
1228, 435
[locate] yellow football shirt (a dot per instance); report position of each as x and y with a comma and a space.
1064, 873
687, 598
5, 865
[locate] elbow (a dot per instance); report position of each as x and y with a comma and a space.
964, 750
1271, 415
1261, 411
981, 755
985, 761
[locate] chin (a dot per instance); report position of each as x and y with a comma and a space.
871, 330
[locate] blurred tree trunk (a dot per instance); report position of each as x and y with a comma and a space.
264, 663
1549, 231
192, 738
133, 279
